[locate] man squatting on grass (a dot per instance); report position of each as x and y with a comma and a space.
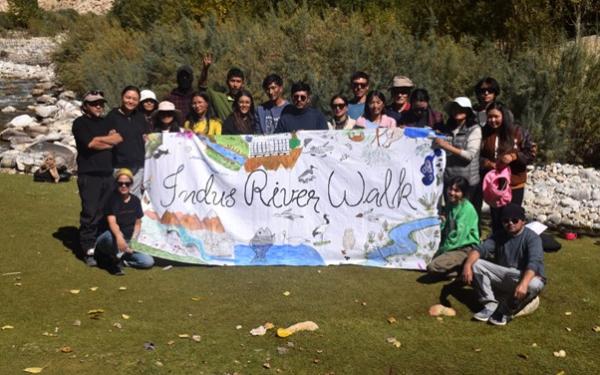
516, 275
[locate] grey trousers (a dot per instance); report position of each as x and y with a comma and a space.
496, 284
449, 263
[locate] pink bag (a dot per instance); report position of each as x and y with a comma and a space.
496, 187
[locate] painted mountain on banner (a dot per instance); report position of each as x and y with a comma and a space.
191, 222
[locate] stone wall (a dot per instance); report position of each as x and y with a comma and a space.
81, 6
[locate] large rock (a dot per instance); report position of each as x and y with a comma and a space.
45, 111
67, 95
34, 131
9, 109
45, 99
8, 159
21, 121
57, 149
9, 133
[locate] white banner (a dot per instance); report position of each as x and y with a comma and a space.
364, 197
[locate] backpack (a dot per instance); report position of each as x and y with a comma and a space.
496, 187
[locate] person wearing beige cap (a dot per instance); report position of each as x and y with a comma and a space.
124, 218
94, 139
400, 90
167, 118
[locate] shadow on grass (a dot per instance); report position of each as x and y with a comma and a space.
69, 236
455, 288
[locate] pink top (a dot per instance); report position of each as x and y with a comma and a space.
384, 122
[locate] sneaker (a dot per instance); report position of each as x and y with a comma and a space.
530, 307
498, 318
90, 261
483, 315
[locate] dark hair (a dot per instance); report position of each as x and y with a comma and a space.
373, 94
130, 88
359, 74
470, 121
419, 95
174, 127
244, 124
461, 183
235, 72
339, 96
300, 86
272, 78
506, 131
491, 82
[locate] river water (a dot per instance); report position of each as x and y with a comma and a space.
16, 93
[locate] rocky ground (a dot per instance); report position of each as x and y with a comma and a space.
80, 6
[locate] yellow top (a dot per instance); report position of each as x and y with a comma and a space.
201, 127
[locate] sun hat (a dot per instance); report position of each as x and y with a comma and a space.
148, 94
462, 101
124, 172
93, 96
401, 81
166, 106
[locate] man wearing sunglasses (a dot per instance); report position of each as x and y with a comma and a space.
300, 115
94, 139
507, 269
400, 90
359, 83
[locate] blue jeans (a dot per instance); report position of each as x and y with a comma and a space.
106, 244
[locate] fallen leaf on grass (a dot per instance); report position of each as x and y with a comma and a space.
170, 342
49, 334
523, 355
66, 349
316, 361
197, 338
7, 327
303, 326
183, 336
282, 350
441, 310
258, 331
74, 291
477, 350
561, 372
94, 288
568, 329
534, 345
34, 370
196, 298
267, 365
568, 313
11, 273
286, 293
18, 284
269, 325
122, 288
393, 341
125, 316
560, 354
392, 320
95, 311
117, 325
77, 323
596, 329
159, 363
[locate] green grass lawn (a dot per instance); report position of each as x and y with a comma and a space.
351, 305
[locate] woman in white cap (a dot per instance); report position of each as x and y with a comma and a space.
148, 104
462, 143
124, 218
167, 119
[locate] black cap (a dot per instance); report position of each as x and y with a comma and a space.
513, 210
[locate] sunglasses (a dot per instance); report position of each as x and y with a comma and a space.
300, 98
122, 183
97, 103
511, 220
95, 92
357, 85
486, 91
338, 106
398, 91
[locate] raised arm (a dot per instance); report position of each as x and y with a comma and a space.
203, 80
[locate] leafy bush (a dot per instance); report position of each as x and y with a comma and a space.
542, 83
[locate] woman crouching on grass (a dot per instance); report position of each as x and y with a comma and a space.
460, 231
124, 218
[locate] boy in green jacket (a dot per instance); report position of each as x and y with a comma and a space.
460, 231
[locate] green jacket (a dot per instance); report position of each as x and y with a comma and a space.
460, 228
221, 103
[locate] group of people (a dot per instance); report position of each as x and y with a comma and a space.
506, 269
